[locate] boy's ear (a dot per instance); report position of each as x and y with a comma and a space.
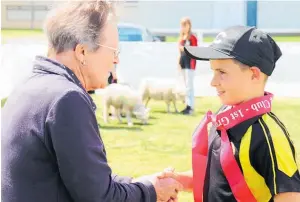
256, 73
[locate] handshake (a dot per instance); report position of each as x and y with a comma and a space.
168, 183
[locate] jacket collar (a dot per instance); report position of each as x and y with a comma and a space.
44, 65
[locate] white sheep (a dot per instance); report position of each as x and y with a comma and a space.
168, 90
123, 98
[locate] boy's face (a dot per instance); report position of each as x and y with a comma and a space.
234, 83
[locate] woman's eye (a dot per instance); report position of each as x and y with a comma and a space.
221, 72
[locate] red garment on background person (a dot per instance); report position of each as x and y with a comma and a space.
191, 42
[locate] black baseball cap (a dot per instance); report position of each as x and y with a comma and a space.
247, 45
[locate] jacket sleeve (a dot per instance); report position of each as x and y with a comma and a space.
181, 42
121, 179
81, 156
194, 42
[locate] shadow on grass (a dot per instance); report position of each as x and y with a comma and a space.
164, 112
137, 126
133, 128
153, 117
196, 113
200, 112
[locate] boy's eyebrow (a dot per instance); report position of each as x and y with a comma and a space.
218, 69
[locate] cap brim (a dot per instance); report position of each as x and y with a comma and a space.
205, 53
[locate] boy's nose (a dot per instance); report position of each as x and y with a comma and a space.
214, 82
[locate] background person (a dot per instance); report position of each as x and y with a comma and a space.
186, 64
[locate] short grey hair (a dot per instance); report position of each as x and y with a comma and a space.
77, 22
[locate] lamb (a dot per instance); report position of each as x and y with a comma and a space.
122, 97
167, 90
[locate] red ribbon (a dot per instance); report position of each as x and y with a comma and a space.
223, 122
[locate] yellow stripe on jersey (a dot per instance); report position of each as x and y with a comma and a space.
283, 151
270, 150
271, 153
254, 180
279, 123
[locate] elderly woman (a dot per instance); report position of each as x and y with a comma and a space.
51, 146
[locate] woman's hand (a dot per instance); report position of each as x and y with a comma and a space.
184, 178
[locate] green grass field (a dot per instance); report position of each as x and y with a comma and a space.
7, 34
166, 140
12, 33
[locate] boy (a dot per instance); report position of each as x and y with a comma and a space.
248, 155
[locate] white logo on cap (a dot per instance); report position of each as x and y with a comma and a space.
220, 37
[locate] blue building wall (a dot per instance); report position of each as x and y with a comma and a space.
251, 13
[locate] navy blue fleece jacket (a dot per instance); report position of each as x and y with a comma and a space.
51, 147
